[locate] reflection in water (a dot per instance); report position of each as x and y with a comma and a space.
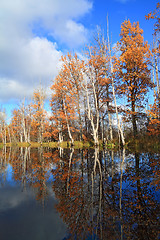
99, 194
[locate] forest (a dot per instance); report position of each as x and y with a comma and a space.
108, 95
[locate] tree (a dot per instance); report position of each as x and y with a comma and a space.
120, 131
17, 126
3, 127
39, 114
64, 99
154, 111
154, 123
132, 69
99, 59
25, 112
106, 94
73, 67
95, 81
155, 15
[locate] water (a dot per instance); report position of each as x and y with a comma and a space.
53, 194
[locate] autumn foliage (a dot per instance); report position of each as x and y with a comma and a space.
133, 71
87, 89
154, 123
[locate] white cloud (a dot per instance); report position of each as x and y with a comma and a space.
36, 61
29, 215
75, 34
41, 59
13, 89
27, 55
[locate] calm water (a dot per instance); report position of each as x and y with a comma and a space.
52, 194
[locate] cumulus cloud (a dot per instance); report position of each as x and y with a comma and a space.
74, 33
31, 33
14, 89
34, 62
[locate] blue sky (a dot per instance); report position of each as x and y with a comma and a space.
35, 33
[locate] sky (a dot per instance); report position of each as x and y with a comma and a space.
35, 33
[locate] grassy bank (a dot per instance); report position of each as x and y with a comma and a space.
133, 145
65, 144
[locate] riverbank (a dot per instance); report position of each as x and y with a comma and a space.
133, 145
65, 144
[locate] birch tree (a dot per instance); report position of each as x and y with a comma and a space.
113, 88
94, 77
64, 98
39, 114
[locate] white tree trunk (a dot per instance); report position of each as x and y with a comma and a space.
95, 126
68, 127
113, 89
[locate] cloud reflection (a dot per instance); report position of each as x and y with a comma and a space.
21, 217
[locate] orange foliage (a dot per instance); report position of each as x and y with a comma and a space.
132, 68
156, 16
66, 97
38, 116
16, 123
154, 123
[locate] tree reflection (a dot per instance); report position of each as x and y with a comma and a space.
101, 194
30, 168
86, 205
140, 208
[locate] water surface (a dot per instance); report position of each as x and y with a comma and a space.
78, 194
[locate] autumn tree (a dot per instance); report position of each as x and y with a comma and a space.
132, 69
16, 125
154, 112
3, 127
38, 114
102, 99
73, 66
155, 15
96, 89
119, 125
19, 129
154, 119
81, 94
106, 93
63, 102
156, 44
26, 119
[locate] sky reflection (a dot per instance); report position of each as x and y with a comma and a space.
79, 194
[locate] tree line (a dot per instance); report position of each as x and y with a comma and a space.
87, 91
